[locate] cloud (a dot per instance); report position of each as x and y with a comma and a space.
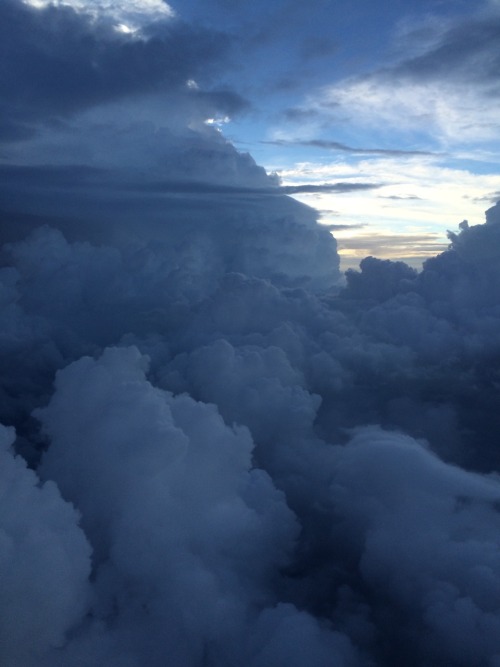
127, 16
217, 449
466, 50
440, 109
319, 48
404, 198
327, 187
439, 86
45, 562
445, 194
197, 511
62, 62
417, 551
339, 228
210, 188
491, 198
299, 115
337, 146
216, 485
424, 101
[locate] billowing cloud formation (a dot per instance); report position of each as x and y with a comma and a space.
44, 564
425, 536
214, 453
227, 515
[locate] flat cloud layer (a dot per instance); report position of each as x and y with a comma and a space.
217, 451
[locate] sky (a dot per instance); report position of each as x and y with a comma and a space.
398, 96
219, 447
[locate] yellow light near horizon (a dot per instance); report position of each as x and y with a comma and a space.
407, 214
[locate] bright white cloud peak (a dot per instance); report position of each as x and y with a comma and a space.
128, 15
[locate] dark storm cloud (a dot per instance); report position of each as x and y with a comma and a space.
58, 61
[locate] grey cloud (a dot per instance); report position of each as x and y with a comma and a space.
300, 114
215, 188
334, 227
41, 528
220, 102
319, 48
328, 187
491, 198
466, 51
337, 146
50, 176
209, 188
79, 196
207, 382
402, 198
60, 62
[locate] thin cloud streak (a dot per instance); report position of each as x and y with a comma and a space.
84, 177
337, 146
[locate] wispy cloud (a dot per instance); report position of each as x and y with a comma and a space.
444, 111
401, 197
310, 188
338, 146
342, 228
425, 123
490, 197
441, 90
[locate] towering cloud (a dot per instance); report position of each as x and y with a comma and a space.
215, 453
